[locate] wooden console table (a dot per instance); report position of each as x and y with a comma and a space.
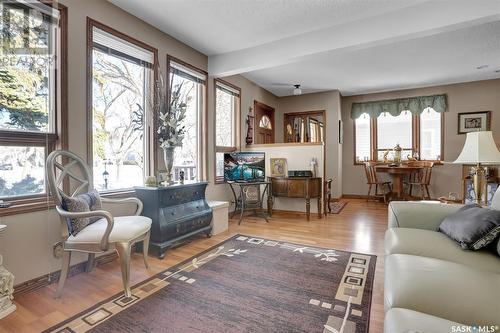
296, 187
178, 212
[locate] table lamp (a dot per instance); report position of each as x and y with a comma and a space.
479, 149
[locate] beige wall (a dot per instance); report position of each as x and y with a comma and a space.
463, 97
27, 243
329, 101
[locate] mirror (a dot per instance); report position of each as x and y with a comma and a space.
304, 126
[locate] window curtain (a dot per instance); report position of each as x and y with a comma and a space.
416, 105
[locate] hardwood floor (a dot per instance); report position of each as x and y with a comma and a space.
359, 227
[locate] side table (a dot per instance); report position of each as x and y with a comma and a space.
249, 197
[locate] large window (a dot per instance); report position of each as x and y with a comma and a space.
121, 86
187, 86
418, 135
227, 110
32, 77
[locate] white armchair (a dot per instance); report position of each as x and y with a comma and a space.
107, 233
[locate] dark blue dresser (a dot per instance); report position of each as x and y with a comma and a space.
178, 211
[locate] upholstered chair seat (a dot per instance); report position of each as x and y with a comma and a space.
125, 229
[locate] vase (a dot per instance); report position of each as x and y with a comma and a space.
168, 158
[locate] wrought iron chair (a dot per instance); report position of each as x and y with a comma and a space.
421, 178
372, 179
108, 233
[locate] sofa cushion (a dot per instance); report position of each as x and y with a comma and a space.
399, 320
442, 288
472, 227
434, 244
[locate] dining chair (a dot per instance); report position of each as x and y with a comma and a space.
372, 179
107, 233
421, 179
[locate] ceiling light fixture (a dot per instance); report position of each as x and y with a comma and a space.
297, 91
482, 67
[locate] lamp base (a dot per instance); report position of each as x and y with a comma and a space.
478, 184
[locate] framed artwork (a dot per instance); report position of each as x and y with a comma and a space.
278, 167
474, 121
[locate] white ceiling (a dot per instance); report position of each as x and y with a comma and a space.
355, 46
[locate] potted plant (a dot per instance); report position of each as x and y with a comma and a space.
170, 106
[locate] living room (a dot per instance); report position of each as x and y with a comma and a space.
257, 166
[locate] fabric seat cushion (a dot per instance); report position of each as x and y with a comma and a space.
125, 229
433, 244
399, 320
442, 288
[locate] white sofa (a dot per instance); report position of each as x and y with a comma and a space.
431, 284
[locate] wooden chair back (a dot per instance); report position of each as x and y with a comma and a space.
423, 176
371, 172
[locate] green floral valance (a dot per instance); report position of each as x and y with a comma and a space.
394, 107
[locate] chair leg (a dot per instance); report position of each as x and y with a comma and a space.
90, 263
66, 259
145, 248
123, 250
369, 191
422, 192
376, 189
428, 193
410, 190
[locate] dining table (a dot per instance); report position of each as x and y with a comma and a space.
397, 174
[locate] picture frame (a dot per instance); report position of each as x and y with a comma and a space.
474, 121
278, 167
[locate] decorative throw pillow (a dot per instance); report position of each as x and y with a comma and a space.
472, 227
85, 202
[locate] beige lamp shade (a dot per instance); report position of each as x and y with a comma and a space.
479, 147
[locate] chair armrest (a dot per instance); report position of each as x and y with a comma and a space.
94, 213
419, 215
126, 200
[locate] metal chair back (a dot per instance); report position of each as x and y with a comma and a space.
61, 165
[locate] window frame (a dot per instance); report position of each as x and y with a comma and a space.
415, 139
56, 139
237, 129
151, 137
203, 130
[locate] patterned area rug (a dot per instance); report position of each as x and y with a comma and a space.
244, 284
338, 206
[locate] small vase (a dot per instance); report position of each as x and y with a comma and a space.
168, 158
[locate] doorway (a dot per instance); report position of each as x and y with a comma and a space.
264, 123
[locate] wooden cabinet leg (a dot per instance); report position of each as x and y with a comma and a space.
308, 208
319, 208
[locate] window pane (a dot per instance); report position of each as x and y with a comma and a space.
393, 130
224, 119
363, 146
119, 104
430, 135
27, 78
22, 170
187, 97
219, 166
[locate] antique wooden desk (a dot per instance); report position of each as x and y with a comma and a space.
178, 211
296, 187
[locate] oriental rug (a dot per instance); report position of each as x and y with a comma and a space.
244, 284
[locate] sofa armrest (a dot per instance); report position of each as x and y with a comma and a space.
419, 214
